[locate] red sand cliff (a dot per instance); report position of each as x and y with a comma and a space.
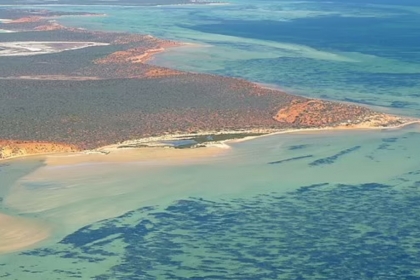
10, 148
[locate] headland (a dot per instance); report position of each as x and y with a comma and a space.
69, 89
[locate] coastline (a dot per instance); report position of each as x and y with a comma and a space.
377, 108
153, 142
20, 233
156, 144
288, 115
149, 56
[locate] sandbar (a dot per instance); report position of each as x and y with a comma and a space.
17, 233
114, 154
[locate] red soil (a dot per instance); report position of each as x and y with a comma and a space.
11, 148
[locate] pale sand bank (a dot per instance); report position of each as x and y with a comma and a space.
17, 233
114, 154
75, 190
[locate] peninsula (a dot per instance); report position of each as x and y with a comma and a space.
68, 89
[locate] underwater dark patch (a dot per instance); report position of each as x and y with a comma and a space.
332, 231
297, 147
332, 159
290, 159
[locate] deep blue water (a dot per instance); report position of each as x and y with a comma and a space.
363, 52
376, 36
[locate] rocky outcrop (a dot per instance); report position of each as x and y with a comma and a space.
310, 113
321, 113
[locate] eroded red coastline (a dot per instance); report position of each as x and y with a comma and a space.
85, 99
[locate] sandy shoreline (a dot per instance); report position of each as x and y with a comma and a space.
152, 148
327, 129
161, 155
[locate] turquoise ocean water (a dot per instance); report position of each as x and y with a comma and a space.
331, 205
344, 50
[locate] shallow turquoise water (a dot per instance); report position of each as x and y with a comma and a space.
308, 205
331, 205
